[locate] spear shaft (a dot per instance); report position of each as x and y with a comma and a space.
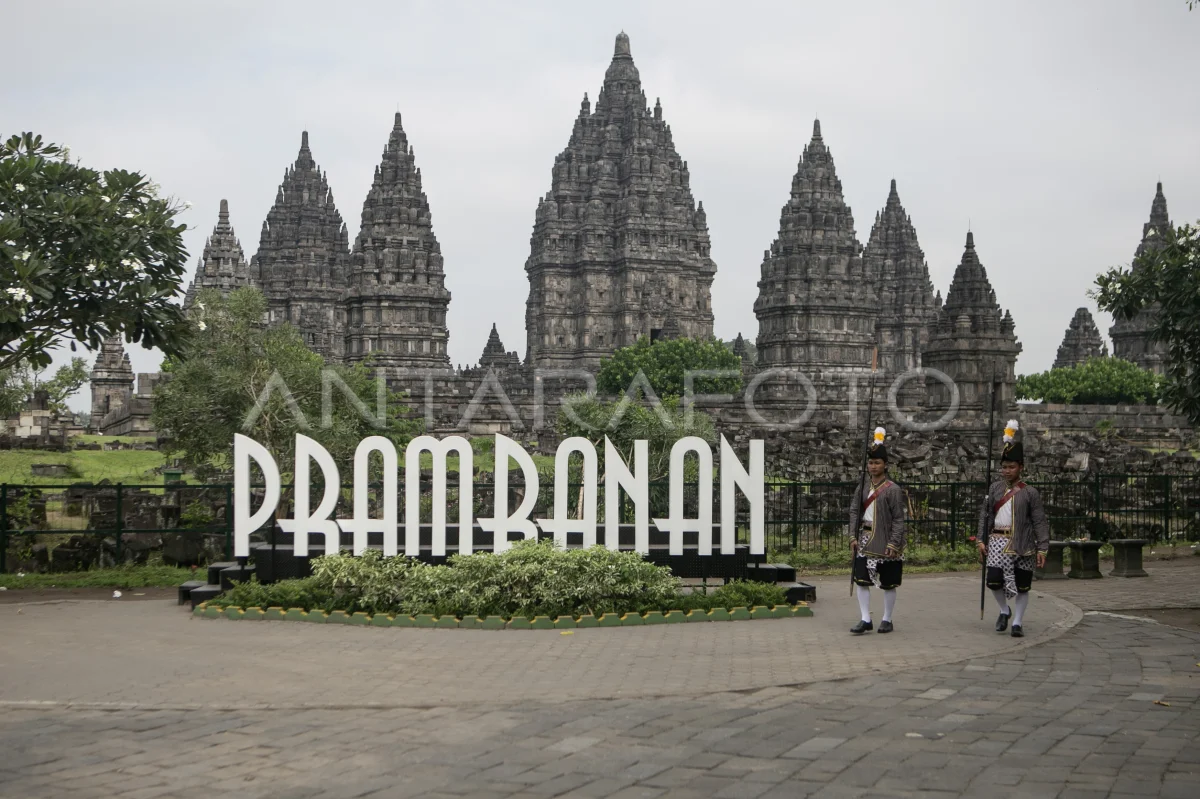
987, 491
862, 483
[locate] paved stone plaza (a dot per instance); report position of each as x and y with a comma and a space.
104, 698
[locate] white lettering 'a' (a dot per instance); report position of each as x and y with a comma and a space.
502, 523
313, 521
412, 489
677, 525
362, 524
618, 476
751, 482
562, 524
244, 523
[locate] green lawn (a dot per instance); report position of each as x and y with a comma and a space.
125, 466
137, 466
127, 577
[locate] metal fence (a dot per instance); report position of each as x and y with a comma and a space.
118, 522
1159, 508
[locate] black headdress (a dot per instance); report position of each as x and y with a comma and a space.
1013, 452
876, 450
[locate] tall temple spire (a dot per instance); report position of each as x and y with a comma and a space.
970, 336
302, 254
895, 264
1081, 342
397, 298
222, 265
618, 241
1132, 338
815, 307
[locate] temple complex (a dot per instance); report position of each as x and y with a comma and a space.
620, 249
1081, 342
1131, 338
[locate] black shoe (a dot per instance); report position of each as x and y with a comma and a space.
885, 626
862, 627
1002, 622
1017, 632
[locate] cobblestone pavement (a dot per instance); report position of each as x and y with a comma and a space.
1169, 584
1107, 708
153, 653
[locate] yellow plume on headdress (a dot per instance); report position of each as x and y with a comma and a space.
879, 434
1010, 430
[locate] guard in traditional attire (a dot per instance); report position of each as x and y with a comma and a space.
877, 535
1013, 523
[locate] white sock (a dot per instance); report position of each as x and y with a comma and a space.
1001, 600
864, 602
1021, 602
889, 603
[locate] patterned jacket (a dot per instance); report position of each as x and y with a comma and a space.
889, 526
1031, 528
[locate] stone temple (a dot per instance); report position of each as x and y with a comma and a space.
619, 250
1131, 339
1081, 342
303, 255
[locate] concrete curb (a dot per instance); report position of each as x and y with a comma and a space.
428, 621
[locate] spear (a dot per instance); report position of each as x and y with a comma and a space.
862, 484
988, 488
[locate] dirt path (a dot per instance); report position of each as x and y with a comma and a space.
17, 596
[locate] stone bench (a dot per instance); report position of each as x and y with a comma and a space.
1127, 557
1085, 560
1053, 570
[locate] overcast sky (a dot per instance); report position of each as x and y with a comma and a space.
1045, 125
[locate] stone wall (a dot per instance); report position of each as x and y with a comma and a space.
1148, 426
508, 400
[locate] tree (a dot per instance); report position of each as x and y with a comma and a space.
1100, 381
1164, 282
83, 254
665, 364
18, 384
238, 375
624, 422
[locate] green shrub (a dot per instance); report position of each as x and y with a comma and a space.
741, 593
532, 578
1100, 381
370, 582
196, 514
308, 593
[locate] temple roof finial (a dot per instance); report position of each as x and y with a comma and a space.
816, 129
622, 46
